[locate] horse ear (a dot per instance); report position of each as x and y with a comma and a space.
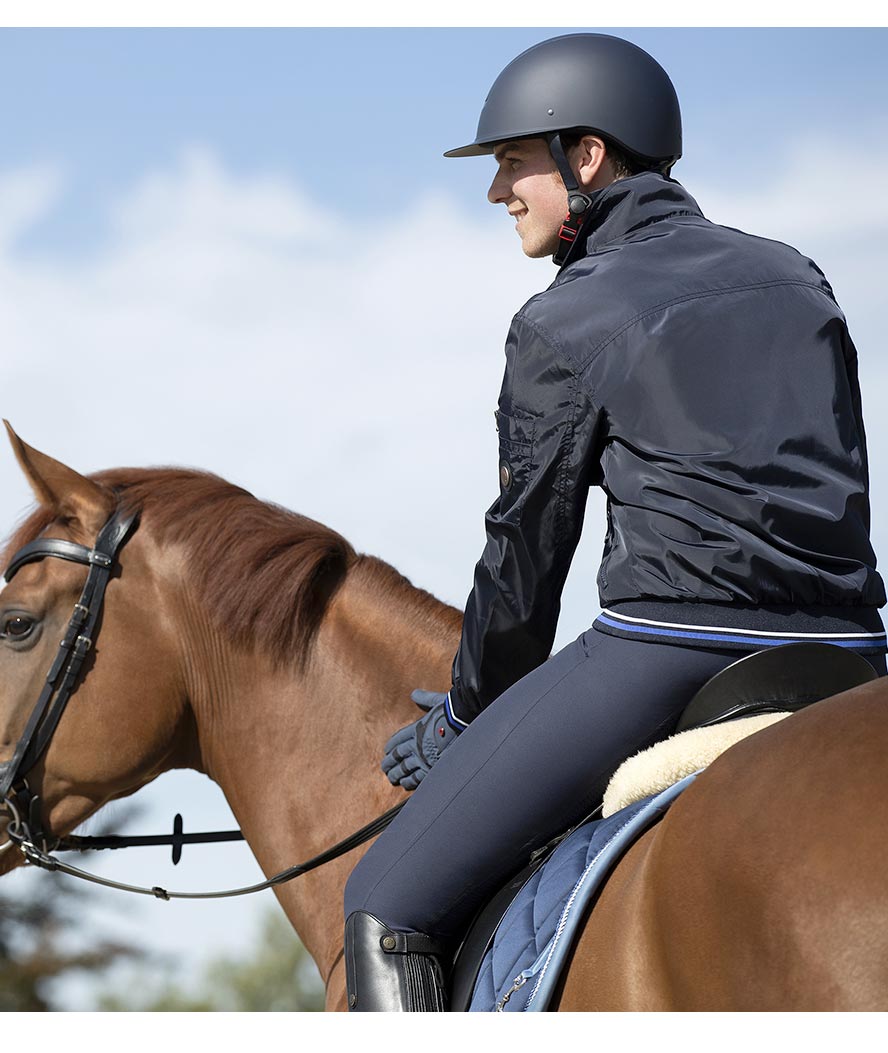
67, 493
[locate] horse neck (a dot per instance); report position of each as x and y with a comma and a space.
297, 753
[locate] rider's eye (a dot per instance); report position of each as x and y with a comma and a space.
17, 627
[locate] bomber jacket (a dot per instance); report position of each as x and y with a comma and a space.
706, 380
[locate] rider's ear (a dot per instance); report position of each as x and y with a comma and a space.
70, 495
588, 159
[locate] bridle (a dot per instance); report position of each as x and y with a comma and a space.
26, 830
75, 645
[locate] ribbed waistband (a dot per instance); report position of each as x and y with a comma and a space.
743, 627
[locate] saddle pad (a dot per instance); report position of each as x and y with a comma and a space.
531, 943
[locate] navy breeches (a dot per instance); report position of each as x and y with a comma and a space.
532, 764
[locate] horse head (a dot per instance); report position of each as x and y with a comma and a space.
235, 638
128, 718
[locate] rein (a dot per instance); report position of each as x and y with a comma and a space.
26, 830
20, 836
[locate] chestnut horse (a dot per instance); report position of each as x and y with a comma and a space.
256, 646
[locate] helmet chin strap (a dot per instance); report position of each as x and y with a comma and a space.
578, 203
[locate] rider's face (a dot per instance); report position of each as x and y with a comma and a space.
527, 182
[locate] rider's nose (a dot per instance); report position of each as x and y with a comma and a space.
500, 190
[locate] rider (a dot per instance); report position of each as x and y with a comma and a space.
705, 379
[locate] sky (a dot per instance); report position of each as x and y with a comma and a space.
242, 250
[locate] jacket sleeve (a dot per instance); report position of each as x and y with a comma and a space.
548, 430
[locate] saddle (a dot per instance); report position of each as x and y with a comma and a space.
765, 686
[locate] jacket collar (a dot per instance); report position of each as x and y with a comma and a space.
626, 206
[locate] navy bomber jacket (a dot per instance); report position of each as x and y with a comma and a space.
705, 379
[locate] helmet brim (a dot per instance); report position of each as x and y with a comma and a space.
472, 150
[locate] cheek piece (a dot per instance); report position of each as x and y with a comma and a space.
77, 642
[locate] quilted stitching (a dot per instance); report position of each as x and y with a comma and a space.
575, 870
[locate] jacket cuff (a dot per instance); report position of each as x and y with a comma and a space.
456, 722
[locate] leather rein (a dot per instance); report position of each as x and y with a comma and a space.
26, 830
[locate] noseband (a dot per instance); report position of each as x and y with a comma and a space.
26, 829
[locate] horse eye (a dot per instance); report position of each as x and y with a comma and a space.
17, 627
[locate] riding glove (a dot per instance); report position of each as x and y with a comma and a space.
410, 752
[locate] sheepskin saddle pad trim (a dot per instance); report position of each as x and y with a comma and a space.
664, 763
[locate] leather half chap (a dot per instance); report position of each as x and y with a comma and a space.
391, 972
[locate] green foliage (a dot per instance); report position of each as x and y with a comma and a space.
277, 976
47, 935
37, 945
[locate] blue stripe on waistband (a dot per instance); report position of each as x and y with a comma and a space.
740, 638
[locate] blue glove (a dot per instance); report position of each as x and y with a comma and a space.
410, 752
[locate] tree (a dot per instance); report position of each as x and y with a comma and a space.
38, 943
46, 936
276, 976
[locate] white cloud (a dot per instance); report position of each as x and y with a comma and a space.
200, 199
223, 326
810, 193
26, 194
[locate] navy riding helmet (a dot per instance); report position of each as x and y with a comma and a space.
583, 81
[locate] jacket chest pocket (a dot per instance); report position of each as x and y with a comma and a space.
516, 435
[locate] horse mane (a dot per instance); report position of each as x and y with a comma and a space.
264, 574
425, 613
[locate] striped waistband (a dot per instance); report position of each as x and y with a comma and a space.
744, 628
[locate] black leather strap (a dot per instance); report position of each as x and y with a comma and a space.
76, 643
41, 858
58, 547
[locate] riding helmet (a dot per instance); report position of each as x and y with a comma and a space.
588, 81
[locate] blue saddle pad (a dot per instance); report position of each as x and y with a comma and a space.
531, 943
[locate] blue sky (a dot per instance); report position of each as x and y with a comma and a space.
253, 239
340, 109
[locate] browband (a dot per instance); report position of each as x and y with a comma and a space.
54, 546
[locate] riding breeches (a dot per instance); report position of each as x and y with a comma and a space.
532, 764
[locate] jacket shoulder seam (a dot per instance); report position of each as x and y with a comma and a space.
563, 354
549, 339
684, 299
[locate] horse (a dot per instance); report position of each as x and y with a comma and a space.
258, 647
